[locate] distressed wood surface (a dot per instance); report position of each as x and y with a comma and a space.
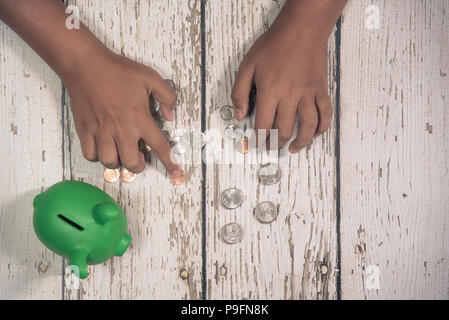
164, 221
280, 260
395, 150
393, 156
31, 153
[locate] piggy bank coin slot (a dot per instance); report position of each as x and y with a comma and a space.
73, 224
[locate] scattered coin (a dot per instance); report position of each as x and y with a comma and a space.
232, 198
232, 233
143, 147
111, 175
154, 106
166, 134
179, 180
227, 113
266, 212
179, 144
233, 131
269, 174
242, 145
171, 84
127, 176
198, 140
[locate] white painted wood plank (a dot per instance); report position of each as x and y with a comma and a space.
395, 150
31, 153
281, 260
164, 221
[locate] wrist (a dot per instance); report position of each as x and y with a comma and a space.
308, 19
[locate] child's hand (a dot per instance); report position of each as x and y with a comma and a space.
110, 105
288, 66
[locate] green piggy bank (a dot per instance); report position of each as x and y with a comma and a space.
80, 223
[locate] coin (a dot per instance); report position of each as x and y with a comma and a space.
171, 84
269, 174
154, 106
143, 147
179, 144
227, 113
232, 198
233, 131
178, 180
232, 233
127, 176
266, 212
198, 140
111, 175
242, 145
166, 134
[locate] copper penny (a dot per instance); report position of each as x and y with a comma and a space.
179, 180
111, 175
127, 176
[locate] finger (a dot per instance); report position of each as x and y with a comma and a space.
241, 89
308, 122
286, 120
163, 93
130, 156
160, 145
266, 104
107, 151
88, 146
325, 112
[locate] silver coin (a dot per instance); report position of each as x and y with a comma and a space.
179, 144
269, 174
198, 140
154, 106
233, 131
266, 212
227, 113
166, 134
171, 84
232, 198
232, 233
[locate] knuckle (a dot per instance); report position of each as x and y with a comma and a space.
134, 165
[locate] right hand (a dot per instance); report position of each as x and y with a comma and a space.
110, 105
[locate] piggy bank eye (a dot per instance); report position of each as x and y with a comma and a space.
73, 224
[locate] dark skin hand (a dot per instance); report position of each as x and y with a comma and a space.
110, 94
288, 66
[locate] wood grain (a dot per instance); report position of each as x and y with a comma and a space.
31, 153
164, 221
281, 260
395, 150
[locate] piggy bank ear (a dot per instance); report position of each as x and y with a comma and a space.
105, 212
36, 200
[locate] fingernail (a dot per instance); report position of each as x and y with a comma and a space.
176, 174
293, 150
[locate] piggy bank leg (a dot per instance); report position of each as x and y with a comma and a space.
123, 245
78, 263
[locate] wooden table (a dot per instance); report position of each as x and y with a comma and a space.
363, 211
